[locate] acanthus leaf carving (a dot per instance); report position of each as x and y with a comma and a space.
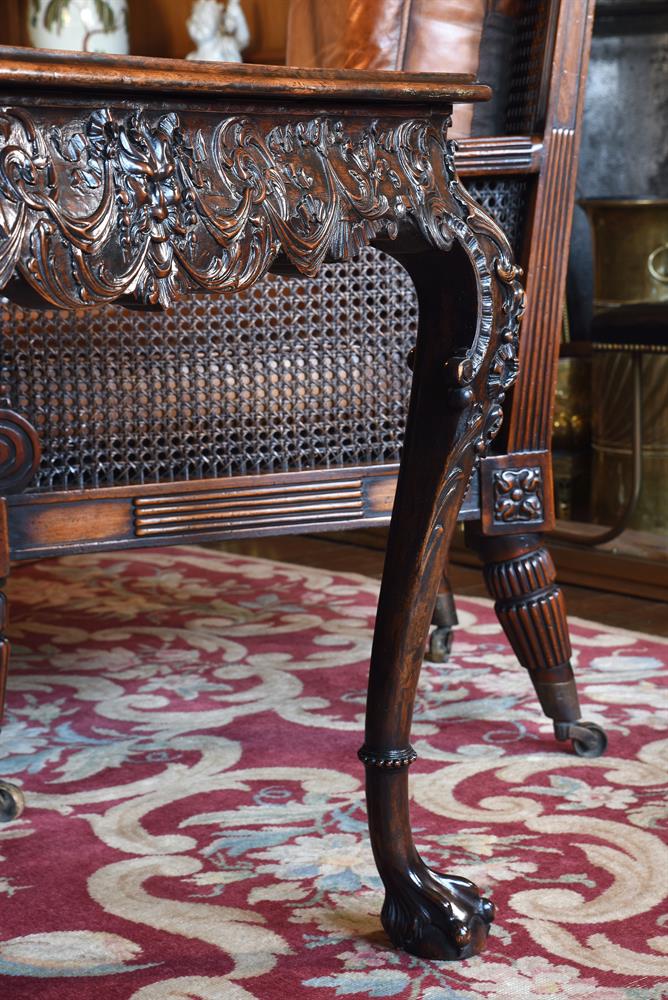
122, 204
500, 296
131, 203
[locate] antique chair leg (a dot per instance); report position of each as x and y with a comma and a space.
444, 618
21, 451
11, 797
429, 914
520, 576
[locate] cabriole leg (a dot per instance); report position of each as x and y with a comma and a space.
428, 914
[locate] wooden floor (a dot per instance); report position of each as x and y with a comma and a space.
345, 553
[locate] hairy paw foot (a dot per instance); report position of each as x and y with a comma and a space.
437, 916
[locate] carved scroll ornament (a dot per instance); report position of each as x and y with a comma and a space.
119, 204
136, 203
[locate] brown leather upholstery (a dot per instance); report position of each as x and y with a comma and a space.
419, 35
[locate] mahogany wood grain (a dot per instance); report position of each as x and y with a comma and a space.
41, 68
50, 524
546, 255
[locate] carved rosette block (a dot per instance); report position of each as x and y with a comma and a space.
516, 493
518, 496
531, 608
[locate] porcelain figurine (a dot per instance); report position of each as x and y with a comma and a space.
219, 31
85, 25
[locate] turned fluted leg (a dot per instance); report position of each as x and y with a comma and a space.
521, 577
454, 413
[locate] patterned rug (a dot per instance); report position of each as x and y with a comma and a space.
185, 724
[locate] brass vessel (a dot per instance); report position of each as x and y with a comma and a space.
612, 394
630, 250
630, 269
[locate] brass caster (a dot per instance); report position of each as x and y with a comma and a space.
440, 645
587, 739
12, 802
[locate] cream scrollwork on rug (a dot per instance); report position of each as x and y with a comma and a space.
120, 889
194, 988
232, 860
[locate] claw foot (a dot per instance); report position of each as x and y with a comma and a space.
437, 916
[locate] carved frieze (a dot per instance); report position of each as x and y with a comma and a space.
133, 204
115, 203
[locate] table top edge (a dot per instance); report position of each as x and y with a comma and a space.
55, 69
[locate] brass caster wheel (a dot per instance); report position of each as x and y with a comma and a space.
587, 739
11, 802
440, 645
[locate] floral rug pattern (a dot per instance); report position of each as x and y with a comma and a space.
184, 724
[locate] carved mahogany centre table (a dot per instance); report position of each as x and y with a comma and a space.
142, 182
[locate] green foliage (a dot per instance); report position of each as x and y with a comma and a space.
55, 10
54, 14
106, 15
